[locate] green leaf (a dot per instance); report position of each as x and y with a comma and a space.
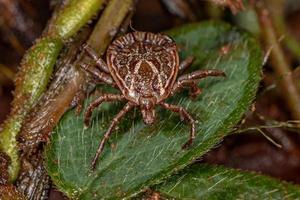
217, 182
143, 155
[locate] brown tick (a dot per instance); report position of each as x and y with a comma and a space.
144, 67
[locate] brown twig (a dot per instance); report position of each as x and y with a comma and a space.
277, 13
279, 63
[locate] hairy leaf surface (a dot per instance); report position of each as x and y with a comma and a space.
139, 155
217, 182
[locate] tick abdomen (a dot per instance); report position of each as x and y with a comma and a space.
143, 64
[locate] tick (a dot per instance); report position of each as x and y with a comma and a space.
144, 67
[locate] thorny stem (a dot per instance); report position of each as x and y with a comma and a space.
279, 63
36, 69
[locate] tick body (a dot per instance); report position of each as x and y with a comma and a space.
144, 67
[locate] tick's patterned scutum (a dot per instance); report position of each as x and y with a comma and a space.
144, 65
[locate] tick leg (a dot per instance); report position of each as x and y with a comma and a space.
201, 74
186, 63
109, 131
100, 63
191, 80
184, 115
106, 78
97, 102
194, 89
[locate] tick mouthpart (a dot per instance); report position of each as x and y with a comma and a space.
86, 124
147, 105
149, 116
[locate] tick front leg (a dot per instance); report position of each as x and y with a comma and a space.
186, 63
191, 80
97, 102
179, 85
100, 63
201, 74
112, 126
184, 115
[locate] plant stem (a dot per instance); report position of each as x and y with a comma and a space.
279, 63
36, 69
109, 24
276, 8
